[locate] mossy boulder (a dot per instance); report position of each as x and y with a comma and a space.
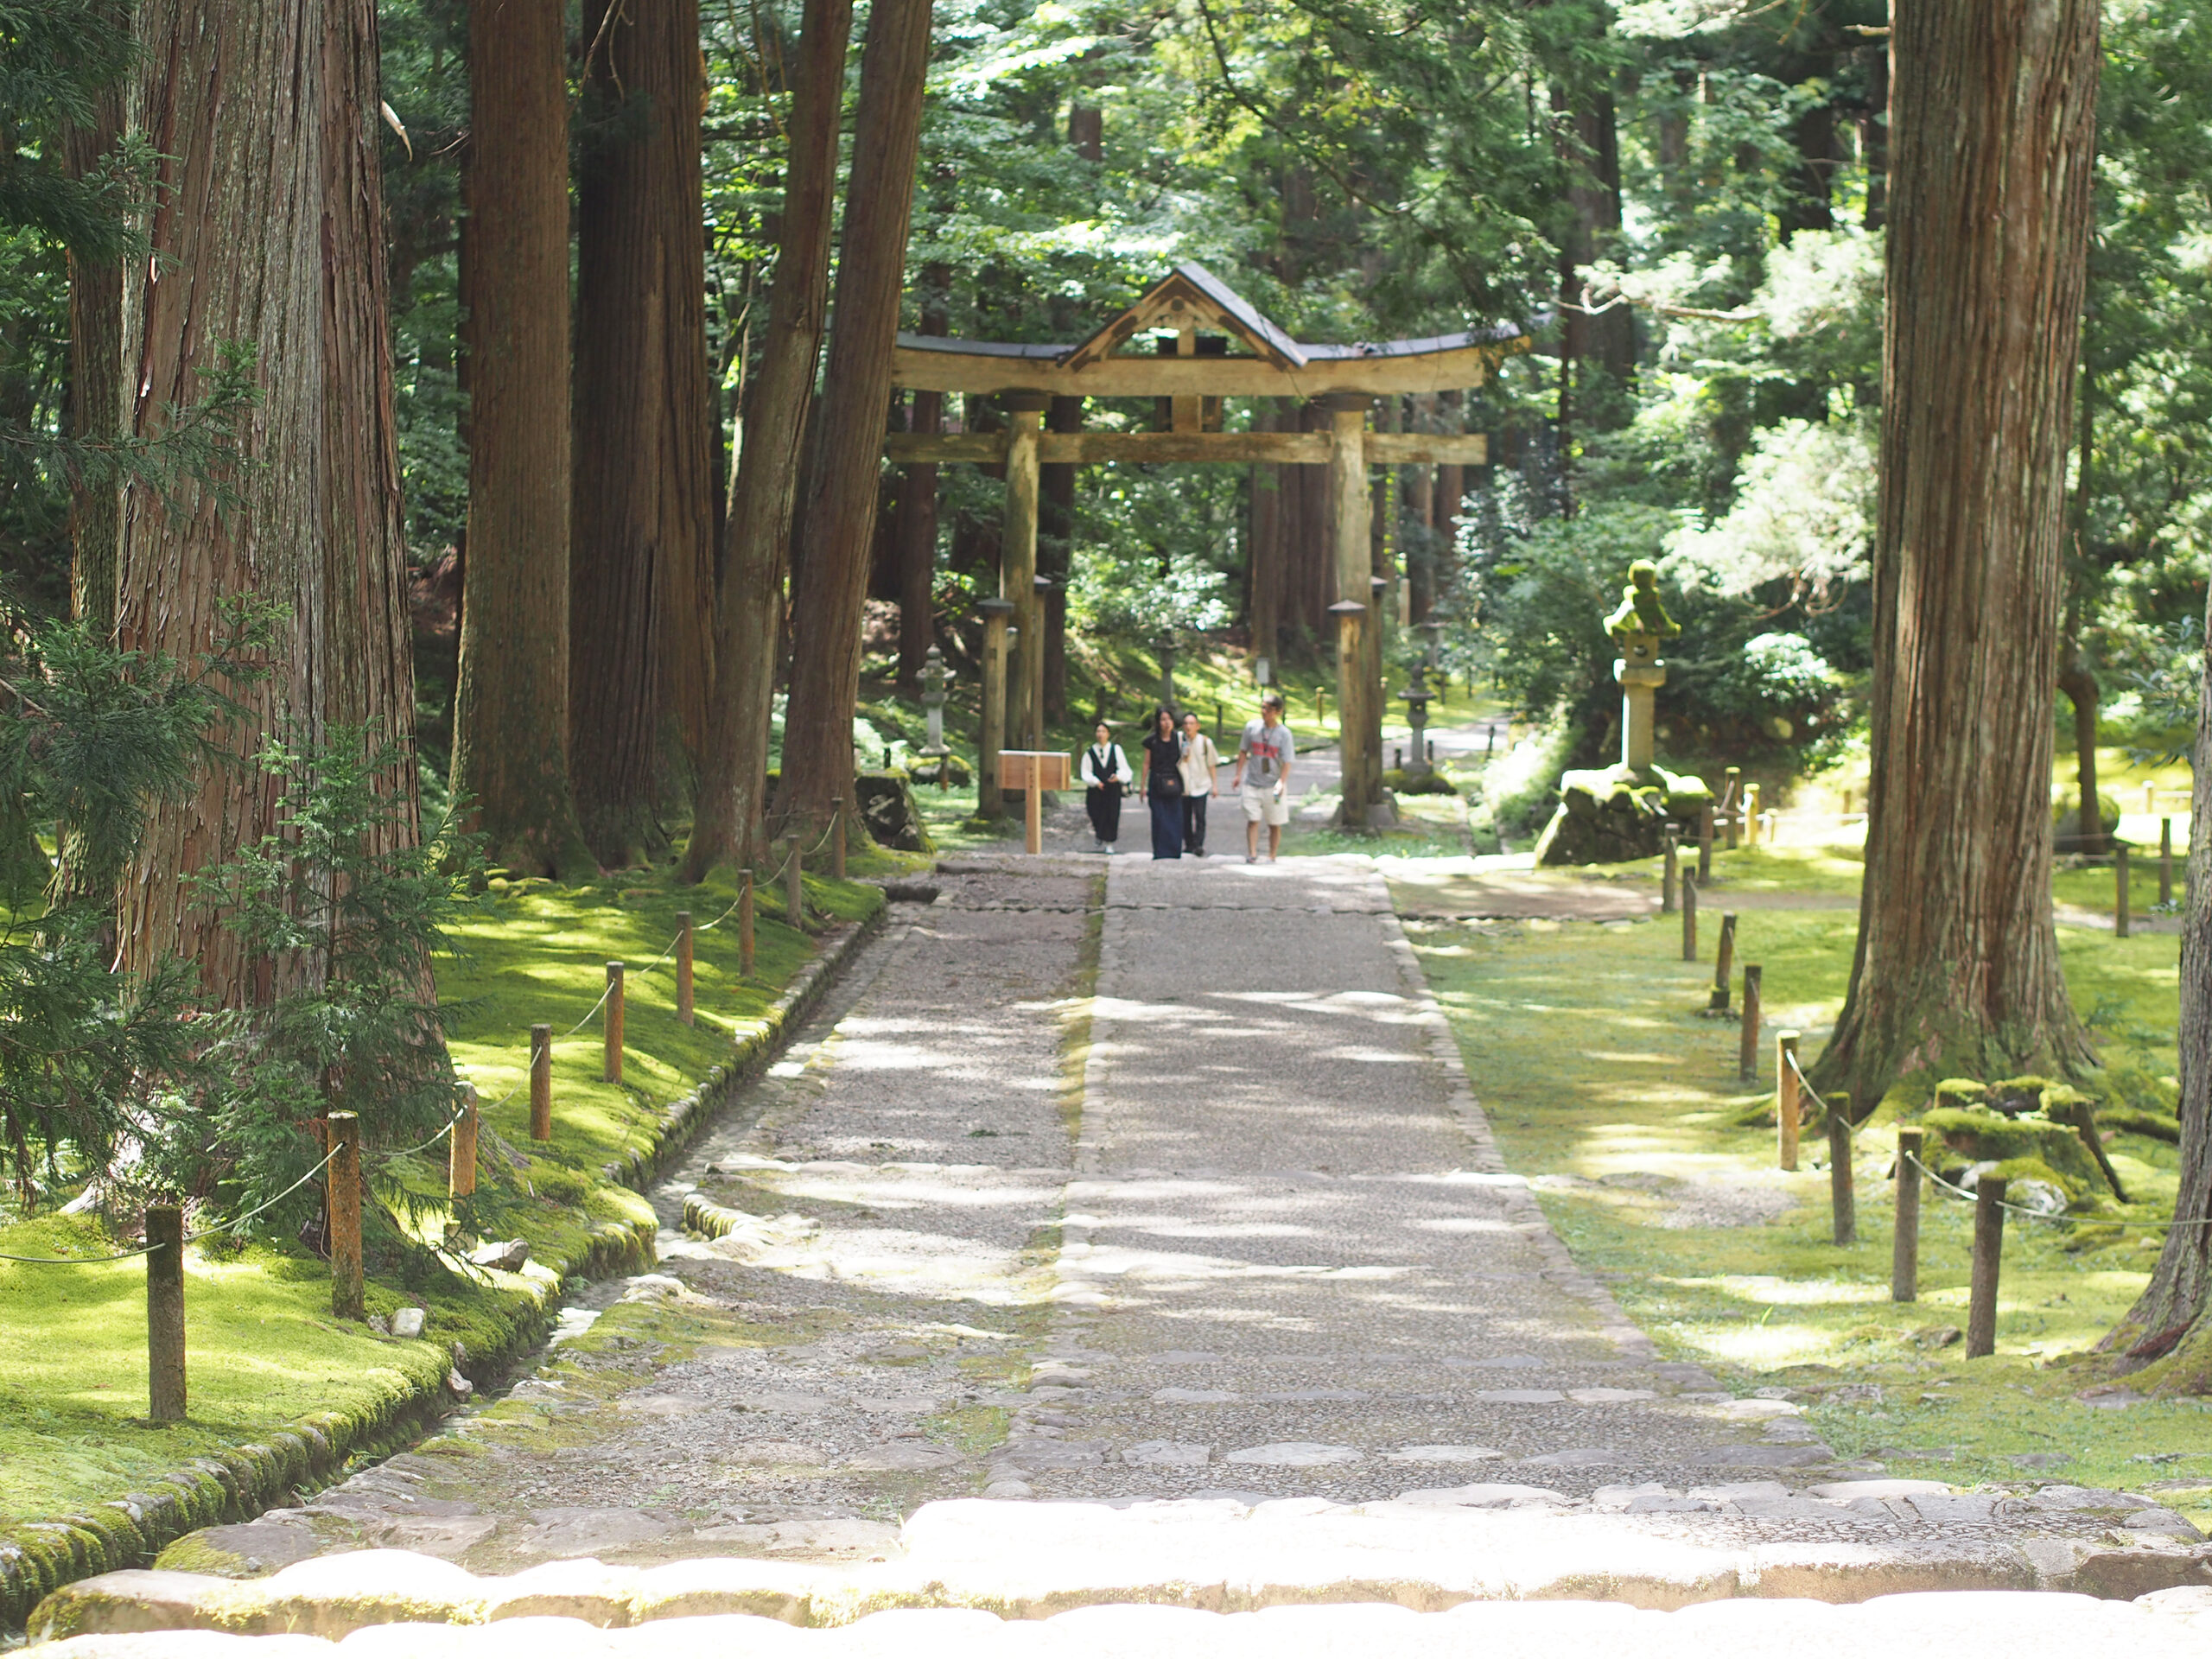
1431, 782
1976, 1135
2015, 1096
888, 809
1614, 815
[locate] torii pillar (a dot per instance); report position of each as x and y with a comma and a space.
1359, 698
1025, 699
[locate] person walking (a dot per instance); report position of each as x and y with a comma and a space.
1162, 788
1264, 758
1106, 772
1200, 767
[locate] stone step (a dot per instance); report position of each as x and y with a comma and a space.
2171, 1625
1425, 1553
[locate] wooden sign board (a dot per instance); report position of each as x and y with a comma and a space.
1033, 769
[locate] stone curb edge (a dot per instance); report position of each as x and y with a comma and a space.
38, 1557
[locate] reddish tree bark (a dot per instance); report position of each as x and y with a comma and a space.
856, 397
749, 610
268, 229
642, 567
2170, 1324
1957, 965
95, 378
511, 708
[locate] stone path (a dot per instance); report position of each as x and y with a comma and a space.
1218, 1247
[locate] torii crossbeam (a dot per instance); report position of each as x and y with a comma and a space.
1222, 346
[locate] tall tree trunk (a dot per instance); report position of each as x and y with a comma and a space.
642, 566
855, 395
1957, 963
269, 229
511, 708
2169, 1324
917, 531
2079, 682
1874, 140
95, 377
1056, 555
748, 612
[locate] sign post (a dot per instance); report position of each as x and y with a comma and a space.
1033, 772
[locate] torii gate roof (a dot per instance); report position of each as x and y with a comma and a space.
1191, 297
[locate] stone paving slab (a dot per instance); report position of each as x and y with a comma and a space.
1030, 1563
2167, 1626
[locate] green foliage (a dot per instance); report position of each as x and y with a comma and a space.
98, 737
342, 905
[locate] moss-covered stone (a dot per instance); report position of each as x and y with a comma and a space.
1976, 1135
2016, 1096
1961, 1092
2128, 1120
1614, 815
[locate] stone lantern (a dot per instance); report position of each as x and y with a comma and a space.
1417, 695
1165, 645
1432, 631
935, 676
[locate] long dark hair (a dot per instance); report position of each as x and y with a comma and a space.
1167, 714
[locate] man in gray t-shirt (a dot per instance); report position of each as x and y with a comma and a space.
1264, 760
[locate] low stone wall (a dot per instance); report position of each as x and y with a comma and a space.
39, 1557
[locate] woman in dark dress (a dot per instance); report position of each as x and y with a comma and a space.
1163, 784
1105, 773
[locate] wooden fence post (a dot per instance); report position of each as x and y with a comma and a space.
683, 966
837, 837
794, 883
1747, 1044
2165, 862
1724, 964
2120, 917
1705, 844
1988, 1255
1689, 919
460, 1148
1667, 871
165, 1312
1904, 1246
1843, 1199
541, 1082
344, 1190
1785, 1098
612, 1024
1731, 803
745, 925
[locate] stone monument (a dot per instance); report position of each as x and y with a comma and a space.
1615, 814
934, 677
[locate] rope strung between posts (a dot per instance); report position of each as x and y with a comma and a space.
205, 1232
2045, 1215
236, 1222
2016, 1209
1806, 1083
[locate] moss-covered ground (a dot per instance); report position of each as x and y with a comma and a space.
263, 1348
1605, 1083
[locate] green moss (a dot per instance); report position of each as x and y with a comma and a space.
2129, 1120
1981, 1136
280, 1391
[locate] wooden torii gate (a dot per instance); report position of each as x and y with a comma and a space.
1223, 347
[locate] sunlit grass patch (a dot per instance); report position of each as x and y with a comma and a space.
1588, 1051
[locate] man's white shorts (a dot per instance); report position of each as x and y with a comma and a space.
1262, 804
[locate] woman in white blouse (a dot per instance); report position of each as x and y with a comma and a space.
1200, 764
1106, 772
